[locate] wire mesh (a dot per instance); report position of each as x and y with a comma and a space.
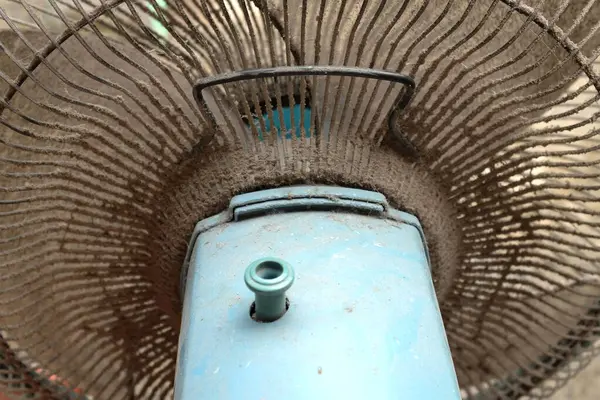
107, 161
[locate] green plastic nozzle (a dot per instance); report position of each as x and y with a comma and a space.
269, 279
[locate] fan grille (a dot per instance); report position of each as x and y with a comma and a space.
107, 161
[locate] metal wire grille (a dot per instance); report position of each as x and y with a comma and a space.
106, 162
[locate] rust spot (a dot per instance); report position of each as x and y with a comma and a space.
320, 371
349, 309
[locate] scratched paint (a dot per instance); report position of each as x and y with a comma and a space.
390, 345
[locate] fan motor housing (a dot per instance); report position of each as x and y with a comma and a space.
361, 318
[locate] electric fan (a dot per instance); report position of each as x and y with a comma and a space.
299, 199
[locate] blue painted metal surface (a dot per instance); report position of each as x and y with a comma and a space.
307, 193
303, 198
363, 320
